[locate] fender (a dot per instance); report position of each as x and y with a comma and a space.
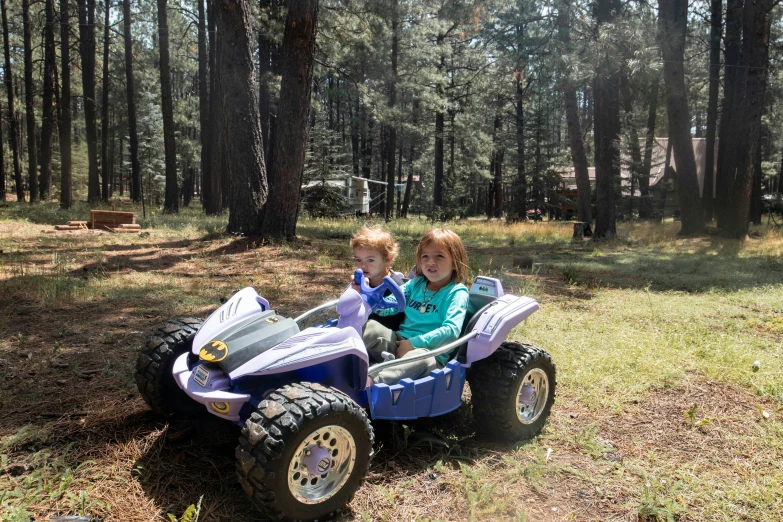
495, 323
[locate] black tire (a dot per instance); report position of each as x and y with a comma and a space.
290, 423
495, 386
154, 364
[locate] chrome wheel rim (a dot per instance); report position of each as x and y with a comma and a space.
532, 395
321, 464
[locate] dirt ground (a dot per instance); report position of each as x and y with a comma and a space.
67, 385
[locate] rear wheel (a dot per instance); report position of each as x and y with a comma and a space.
154, 364
304, 452
512, 391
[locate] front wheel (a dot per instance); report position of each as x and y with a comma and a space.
155, 362
304, 452
512, 391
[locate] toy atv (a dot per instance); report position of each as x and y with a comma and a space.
302, 396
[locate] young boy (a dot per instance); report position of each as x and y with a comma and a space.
374, 251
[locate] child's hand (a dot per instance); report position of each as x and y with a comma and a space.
404, 347
354, 285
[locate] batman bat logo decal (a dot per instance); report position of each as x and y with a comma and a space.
213, 351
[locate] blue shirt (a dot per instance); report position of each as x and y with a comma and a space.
441, 320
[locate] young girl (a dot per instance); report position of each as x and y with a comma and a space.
436, 303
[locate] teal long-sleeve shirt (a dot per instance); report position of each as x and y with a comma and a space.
441, 321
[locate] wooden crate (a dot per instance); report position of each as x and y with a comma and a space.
109, 219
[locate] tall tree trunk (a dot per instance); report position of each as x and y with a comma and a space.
645, 203
203, 101
520, 195
728, 131
673, 23
498, 154
576, 144
13, 126
406, 200
437, 189
353, 114
171, 201
392, 150
285, 178
755, 193
105, 163
32, 164
607, 131
756, 23
367, 149
213, 200
66, 187
130, 91
716, 31
87, 50
239, 130
264, 57
637, 169
47, 120
2, 159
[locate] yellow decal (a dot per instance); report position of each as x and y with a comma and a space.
273, 320
213, 351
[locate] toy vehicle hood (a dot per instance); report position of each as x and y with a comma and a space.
242, 305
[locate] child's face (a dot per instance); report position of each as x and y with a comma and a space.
436, 264
372, 263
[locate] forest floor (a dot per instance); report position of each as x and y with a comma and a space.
659, 413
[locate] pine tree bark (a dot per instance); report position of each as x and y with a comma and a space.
171, 198
437, 189
87, 50
2, 159
728, 130
213, 200
203, 100
576, 144
646, 203
105, 86
47, 119
285, 179
66, 186
392, 150
716, 32
264, 56
498, 153
636, 166
130, 92
239, 127
673, 23
756, 23
13, 126
755, 193
607, 131
32, 164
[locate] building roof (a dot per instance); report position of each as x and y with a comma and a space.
657, 167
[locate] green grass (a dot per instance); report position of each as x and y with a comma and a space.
636, 323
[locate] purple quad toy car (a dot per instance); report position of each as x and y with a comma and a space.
301, 396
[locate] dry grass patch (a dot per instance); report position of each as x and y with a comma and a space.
642, 329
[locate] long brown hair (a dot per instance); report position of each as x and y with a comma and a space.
449, 240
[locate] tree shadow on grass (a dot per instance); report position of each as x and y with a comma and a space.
721, 268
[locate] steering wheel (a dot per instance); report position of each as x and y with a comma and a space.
374, 296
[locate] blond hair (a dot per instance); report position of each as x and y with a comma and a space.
449, 240
376, 238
